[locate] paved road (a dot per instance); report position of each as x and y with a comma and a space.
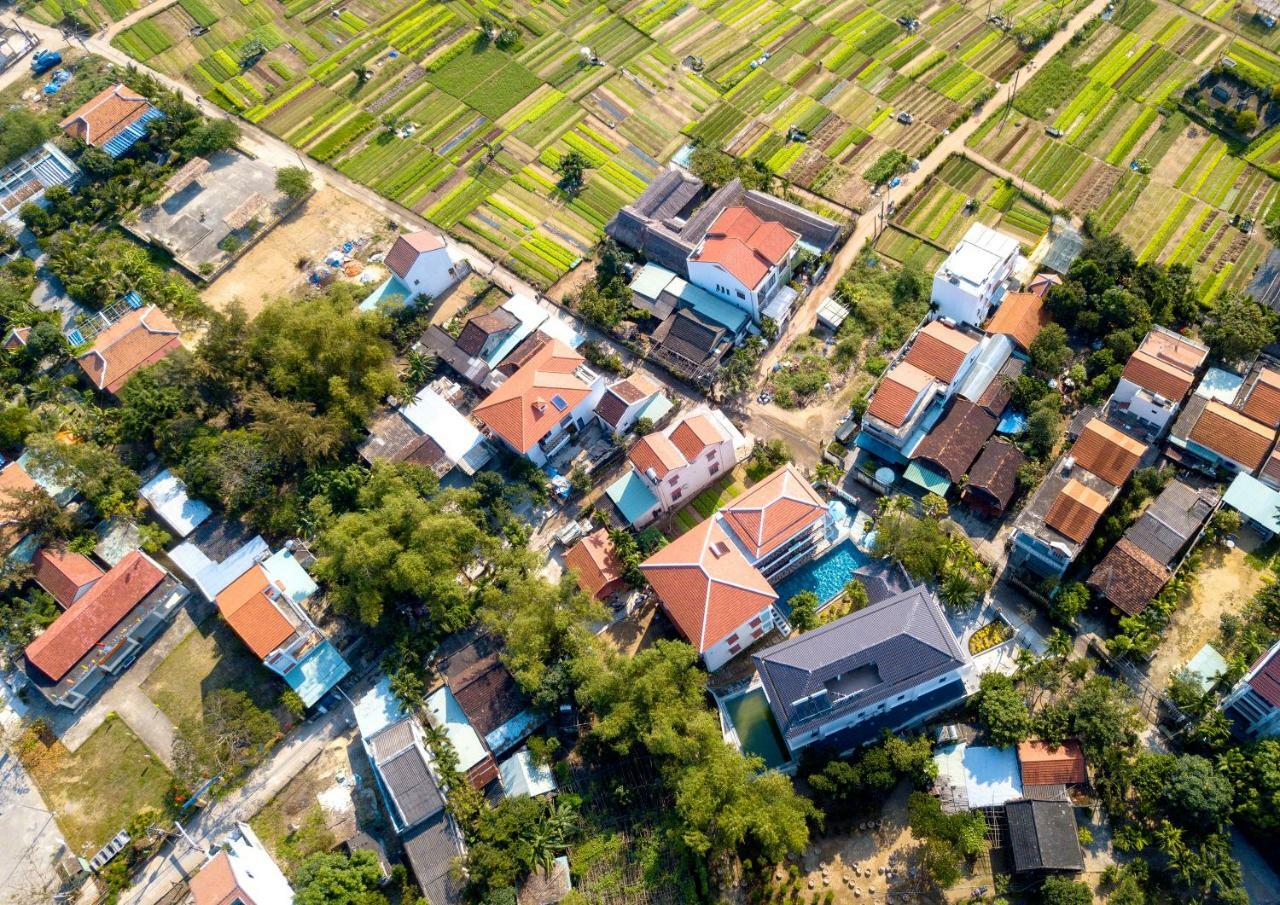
868, 225
31, 834
177, 861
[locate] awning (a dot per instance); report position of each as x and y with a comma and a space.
927, 478
632, 496
319, 671
879, 448
1255, 501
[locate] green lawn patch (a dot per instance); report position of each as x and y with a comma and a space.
100, 788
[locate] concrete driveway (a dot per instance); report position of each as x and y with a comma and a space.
33, 841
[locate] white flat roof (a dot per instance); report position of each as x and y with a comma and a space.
979, 253
448, 713
432, 414
167, 495
520, 777
211, 577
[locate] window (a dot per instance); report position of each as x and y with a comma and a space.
715, 466
755, 622
711, 454
676, 494
673, 480
757, 632
733, 639
741, 294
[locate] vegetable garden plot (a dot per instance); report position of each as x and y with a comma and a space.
96, 12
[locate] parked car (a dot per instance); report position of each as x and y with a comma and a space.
1052, 132
905, 118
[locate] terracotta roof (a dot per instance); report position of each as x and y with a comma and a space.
897, 391
106, 115
1110, 454
1263, 403
1177, 350
406, 249
598, 568
940, 350
64, 574
1021, 317
14, 481
692, 435
1043, 765
75, 632
956, 440
215, 883
1232, 435
1158, 376
17, 338
1076, 511
996, 471
1266, 681
1129, 577
773, 511
1271, 470
706, 585
482, 326
745, 245
1041, 282
634, 388
523, 409
254, 616
656, 451
141, 337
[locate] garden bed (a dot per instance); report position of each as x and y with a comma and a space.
990, 635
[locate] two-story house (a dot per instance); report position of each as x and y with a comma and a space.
540, 407
974, 277
896, 409
630, 399
240, 872
669, 467
889, 666
1157, 378
422, 265
263, 605
1254, 703
714, 580
107, 622
745, 260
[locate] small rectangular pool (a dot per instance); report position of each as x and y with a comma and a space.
758, 733
825, 576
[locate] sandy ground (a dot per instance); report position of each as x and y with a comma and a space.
269, 268
1224, 584
638, 630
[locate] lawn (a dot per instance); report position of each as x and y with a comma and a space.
709, 500
98, 790
209, 658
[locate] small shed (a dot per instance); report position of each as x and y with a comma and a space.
167, 495
1043, 837
1043, 764
1206, 668
831, 314
521, 776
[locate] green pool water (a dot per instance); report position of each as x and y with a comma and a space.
757, 732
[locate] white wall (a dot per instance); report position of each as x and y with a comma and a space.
432, 273
722, 284
723, 650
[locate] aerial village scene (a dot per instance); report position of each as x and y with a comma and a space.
723, 452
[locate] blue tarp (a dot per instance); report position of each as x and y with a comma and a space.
632, 496
319, 671
1012, 423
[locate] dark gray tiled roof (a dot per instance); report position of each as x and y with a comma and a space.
1042, 836
1171, 520
391, 740
404, 774
430, 850
858, 660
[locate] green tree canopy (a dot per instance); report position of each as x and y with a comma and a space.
333, 878
1002, 710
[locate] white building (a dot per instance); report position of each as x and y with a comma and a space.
974, 277
747, 262
1254, 702
1158, 377
241, 872
673, 465
423, 264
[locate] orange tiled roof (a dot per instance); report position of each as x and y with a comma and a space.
1177, 350
522, 410
1043, 765
745, 245
14, 480
706, 585
692, 435
106, 115
141, 337
215, 883
406, 249
1076, 511
656, 451
774, 511
1158, 376
1042, 282
1263, 403
254, 616
85, 622
1021, 317
897, 391
1110, 454
940, 350
63, 573
598, 568
1232, 435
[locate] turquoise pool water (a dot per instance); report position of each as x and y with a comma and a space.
826, 577
757, 732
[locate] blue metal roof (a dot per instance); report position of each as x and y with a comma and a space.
879, 448
1255, 501
927, 478
632, 496
319, 671
131, 134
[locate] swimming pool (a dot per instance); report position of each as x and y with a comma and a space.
758, 733
826, 576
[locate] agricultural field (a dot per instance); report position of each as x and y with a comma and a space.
93, 13
1237, 17
933, 218
412, 100
1177, 192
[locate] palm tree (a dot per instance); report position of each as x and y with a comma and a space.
1059, 644
957, 591
421, 365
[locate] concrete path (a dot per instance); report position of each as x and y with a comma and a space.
177, 861
869, 225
